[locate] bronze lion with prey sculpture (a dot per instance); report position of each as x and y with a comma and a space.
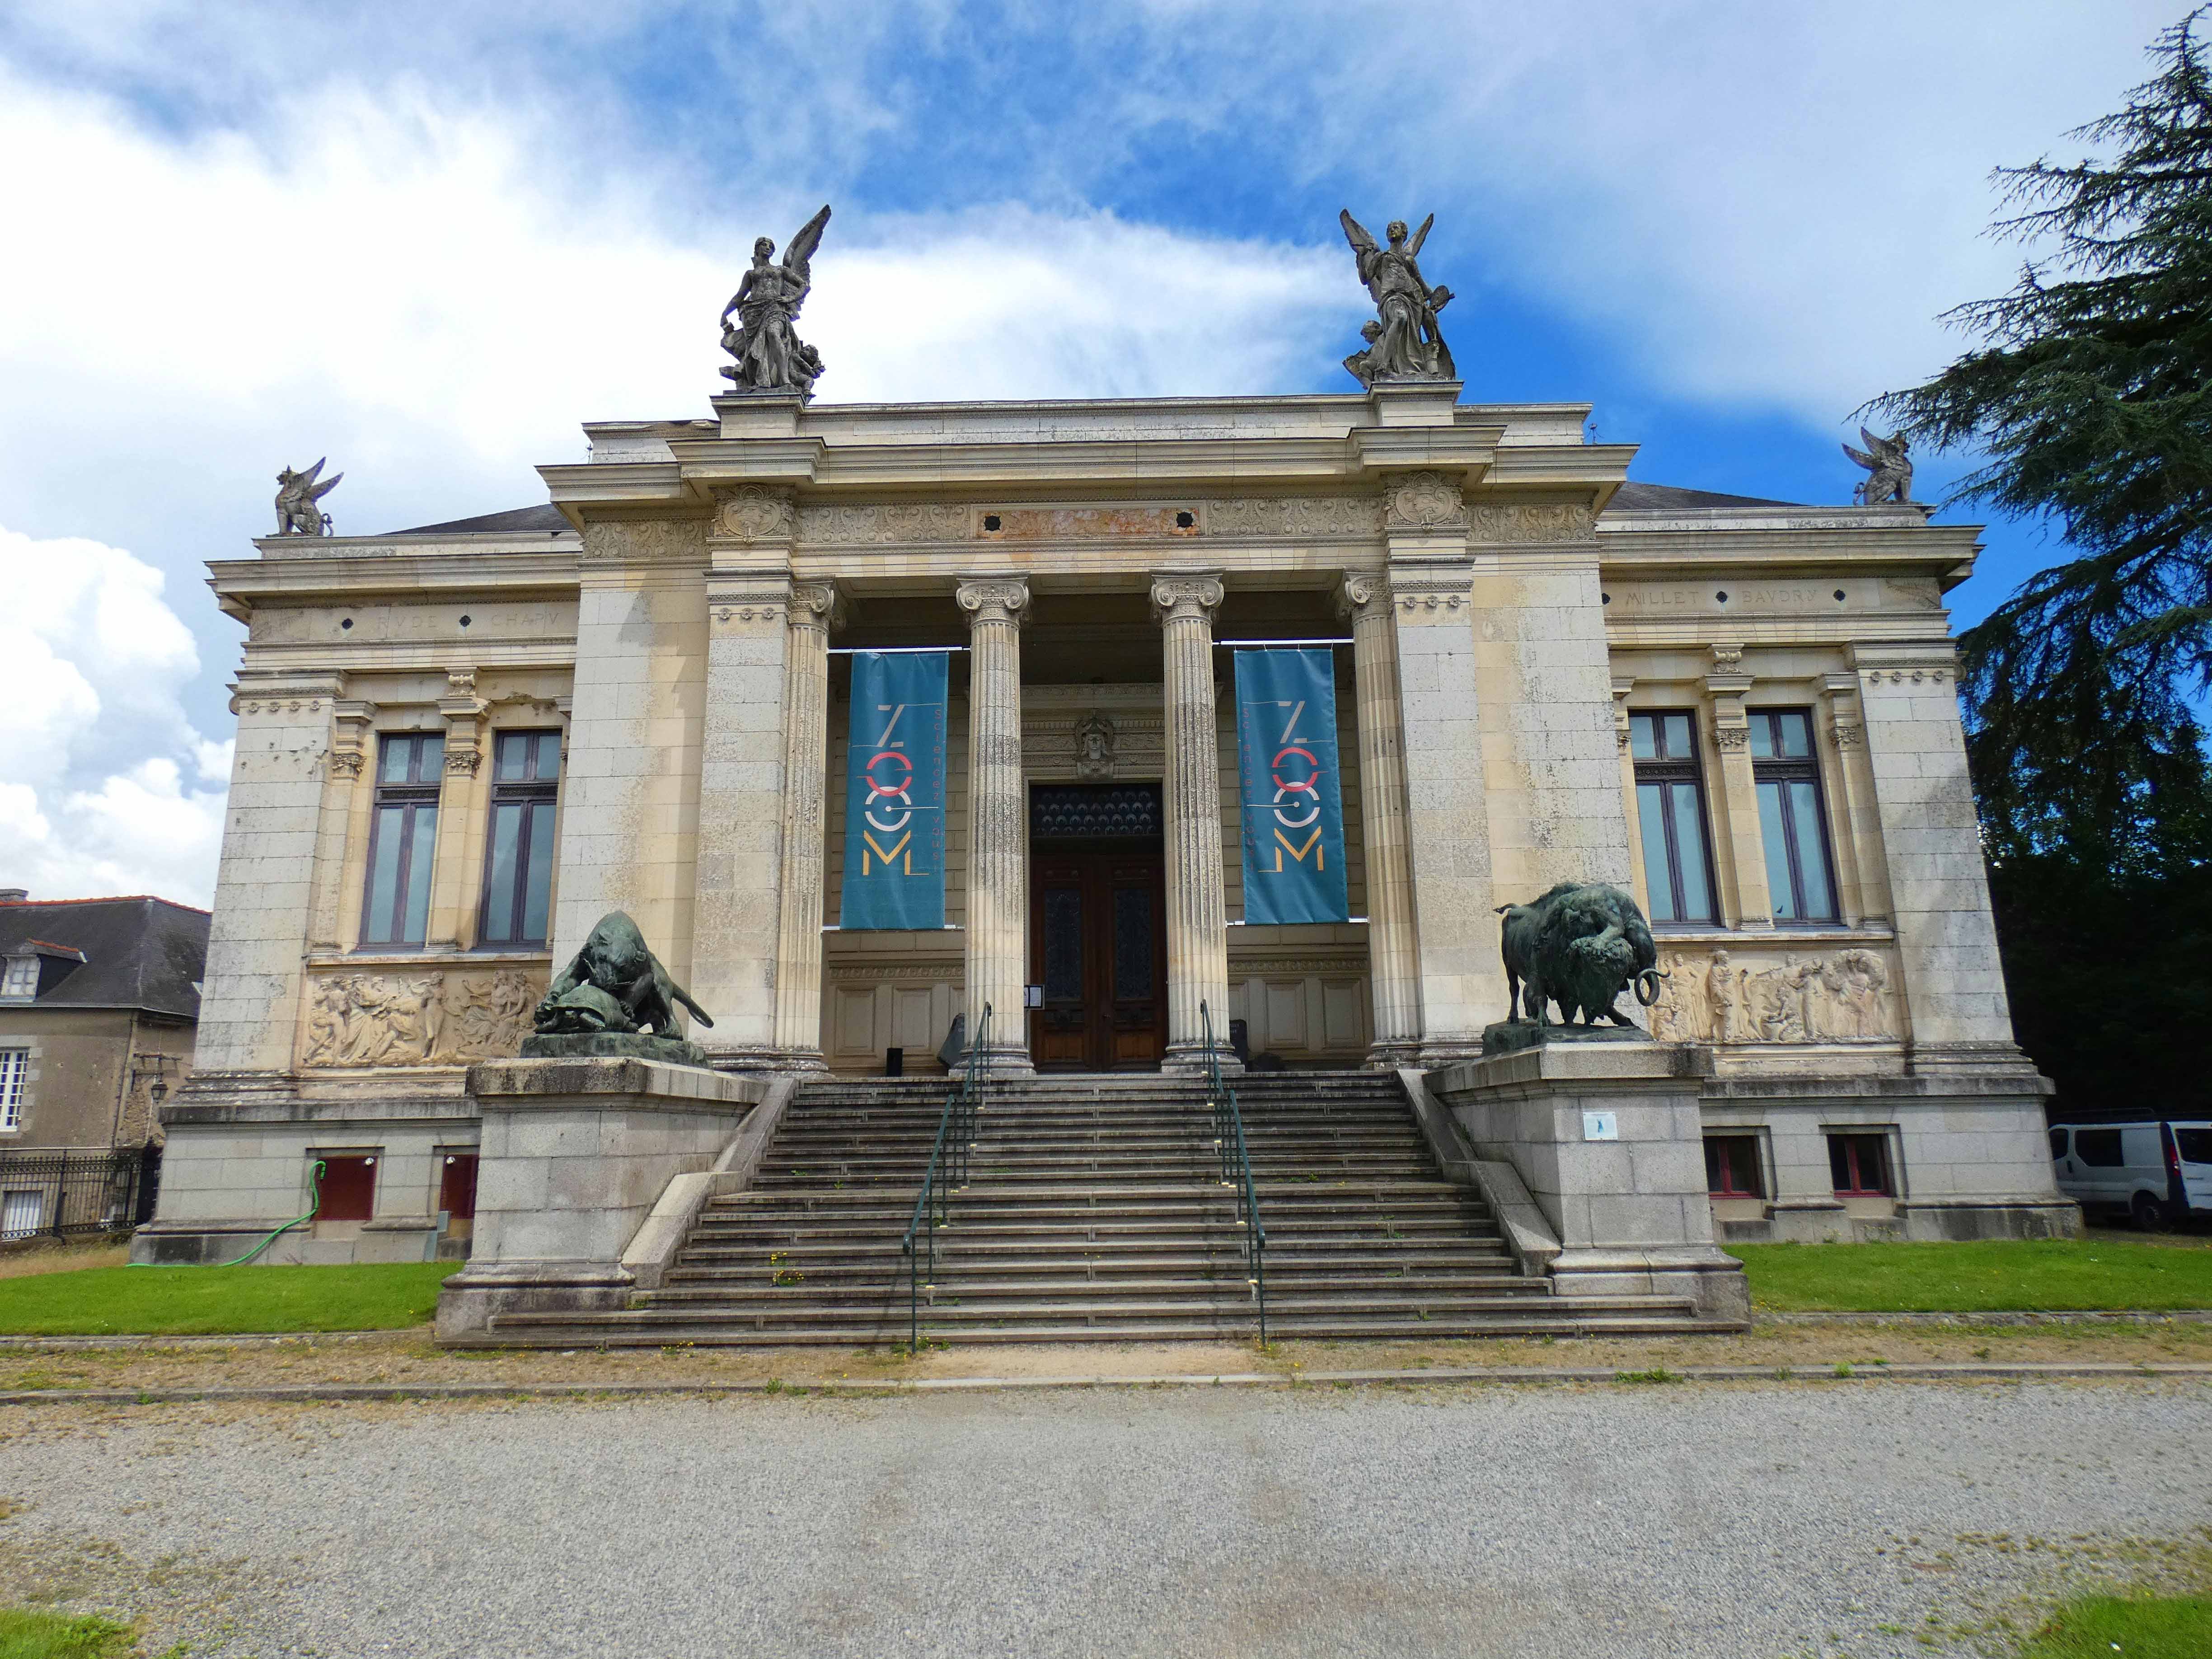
1580, 945
615, 985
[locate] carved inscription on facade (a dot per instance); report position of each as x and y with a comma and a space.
439, 1016
1717, 996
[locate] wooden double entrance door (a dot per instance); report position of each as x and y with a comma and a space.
1098, 936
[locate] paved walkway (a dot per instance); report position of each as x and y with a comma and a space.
1659, 1520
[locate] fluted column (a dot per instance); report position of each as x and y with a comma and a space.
1394, 965
813, 612
998, 874
1198, 920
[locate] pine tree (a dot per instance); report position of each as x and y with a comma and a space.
2090, 402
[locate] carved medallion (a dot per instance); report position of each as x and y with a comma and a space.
753, 514
1094, 748
1425, 501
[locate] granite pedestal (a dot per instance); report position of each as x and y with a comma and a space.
1606, 1135
574, 1154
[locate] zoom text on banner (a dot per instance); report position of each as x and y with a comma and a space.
1290, 805
895, 793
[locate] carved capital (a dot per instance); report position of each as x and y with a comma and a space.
1729, 739
752, 513
1847, 735
1728, 659
815, 605
344, 763
1425, 501
1364, 595
1185, 598
462, 761
994, 600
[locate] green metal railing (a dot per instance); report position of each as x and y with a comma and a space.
1236, 1169
947, 1172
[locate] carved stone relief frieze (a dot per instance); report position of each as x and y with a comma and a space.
1336, 516
1530, 522
865, 526
643, 541
1717, 996
438, 1017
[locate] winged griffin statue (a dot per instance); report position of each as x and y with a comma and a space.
298, 501
770, 357
1403, 343
1888, 462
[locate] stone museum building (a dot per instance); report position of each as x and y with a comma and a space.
461, 746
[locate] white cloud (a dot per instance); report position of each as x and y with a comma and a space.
93, 797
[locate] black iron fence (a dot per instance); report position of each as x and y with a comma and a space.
65, 1192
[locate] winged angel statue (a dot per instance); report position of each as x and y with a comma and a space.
1403, 343
1888, 462
298, 501
770, 356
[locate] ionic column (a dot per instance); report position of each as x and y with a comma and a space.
813, 612
1198, 919
998, 874
1394, 967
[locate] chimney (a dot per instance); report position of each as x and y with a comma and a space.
14, 895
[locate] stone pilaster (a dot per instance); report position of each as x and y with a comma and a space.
1394, 968
1198, 916
349, 757
998, 827
629, 822
458, 877
1863, 889
1954, 991
744, 786
814, 612
1622, 742
1745, 899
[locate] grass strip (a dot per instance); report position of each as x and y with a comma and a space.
1991, 1276
2138, 1627
221, 1301
27, 1634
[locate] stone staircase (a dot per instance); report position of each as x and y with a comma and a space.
1095, 1211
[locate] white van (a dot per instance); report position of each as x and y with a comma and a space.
2157, 1172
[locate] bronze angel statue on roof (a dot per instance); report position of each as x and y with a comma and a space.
770, 357
1888, 462
1403, 343
298, 501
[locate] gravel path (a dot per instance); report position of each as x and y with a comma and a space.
1620, 1520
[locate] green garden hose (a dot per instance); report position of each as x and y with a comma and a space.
315, 1189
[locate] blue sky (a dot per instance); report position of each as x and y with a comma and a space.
429, 240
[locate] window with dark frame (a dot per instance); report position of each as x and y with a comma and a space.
1732, 1167
1801, 877
402, 838
1860, 1165
525, 783
1670, 809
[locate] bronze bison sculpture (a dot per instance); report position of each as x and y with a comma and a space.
1580, 945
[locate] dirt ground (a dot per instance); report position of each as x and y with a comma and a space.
411, 1359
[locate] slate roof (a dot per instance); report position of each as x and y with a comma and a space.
1667, 498
1630, 498
139, 952
520, 521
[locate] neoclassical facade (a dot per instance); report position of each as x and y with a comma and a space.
460, 746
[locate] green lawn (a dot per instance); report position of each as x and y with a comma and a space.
2009, 1276
2147, 1627
220, 1301
28, 1635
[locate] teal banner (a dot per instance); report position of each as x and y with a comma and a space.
1292, 809
895, 793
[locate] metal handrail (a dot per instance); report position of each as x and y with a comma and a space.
947, 1172
1236, 1169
